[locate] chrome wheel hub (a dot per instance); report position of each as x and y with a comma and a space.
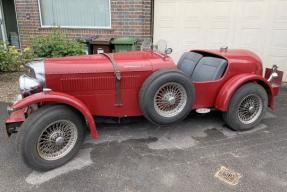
57, 140
170, 99
250, 109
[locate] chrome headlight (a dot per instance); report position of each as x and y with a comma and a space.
29, 85
36, 69
34, 80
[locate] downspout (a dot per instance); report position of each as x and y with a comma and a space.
152, 20
18, 31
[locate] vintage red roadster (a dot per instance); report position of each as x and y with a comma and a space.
60, 97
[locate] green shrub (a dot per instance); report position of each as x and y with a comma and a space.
11, 59
56, 44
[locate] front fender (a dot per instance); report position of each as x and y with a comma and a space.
230, 87
60, 98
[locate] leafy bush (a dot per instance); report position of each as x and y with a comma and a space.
11, 59
56, 44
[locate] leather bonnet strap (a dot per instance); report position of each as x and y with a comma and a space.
118, 77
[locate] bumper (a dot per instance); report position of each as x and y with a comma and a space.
15, 119
275, 82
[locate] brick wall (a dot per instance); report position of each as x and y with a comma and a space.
129, 18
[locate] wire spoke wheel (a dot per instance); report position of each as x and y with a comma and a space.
250, 109
170, 99
57, 140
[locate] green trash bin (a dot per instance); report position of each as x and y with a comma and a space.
124, 44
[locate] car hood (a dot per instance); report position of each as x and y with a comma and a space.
128, 61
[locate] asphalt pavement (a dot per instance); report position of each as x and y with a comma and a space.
185, 157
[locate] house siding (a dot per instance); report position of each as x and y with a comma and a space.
129, 18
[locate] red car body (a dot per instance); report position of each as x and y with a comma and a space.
87, 83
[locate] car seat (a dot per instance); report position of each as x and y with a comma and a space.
188, 61
209, 69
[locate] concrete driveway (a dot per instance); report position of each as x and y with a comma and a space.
183, 157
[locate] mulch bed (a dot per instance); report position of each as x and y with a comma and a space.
9, 86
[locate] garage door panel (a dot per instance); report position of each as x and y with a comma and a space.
257, 25
218, 38
279, 39
166, 19
219, 25
190, 27
188, 45
280, 16
191, 14
250, 39
252, 13
250, 26
221, 10
277, 49
192, 36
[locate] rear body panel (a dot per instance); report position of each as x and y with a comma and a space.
239, 62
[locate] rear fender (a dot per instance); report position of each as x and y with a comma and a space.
233, 84
59, 98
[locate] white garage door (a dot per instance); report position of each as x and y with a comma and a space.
258, 25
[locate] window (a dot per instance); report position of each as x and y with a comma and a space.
75, 13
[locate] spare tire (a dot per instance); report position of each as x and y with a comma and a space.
167, 96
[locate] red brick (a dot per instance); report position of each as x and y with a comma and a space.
129, 18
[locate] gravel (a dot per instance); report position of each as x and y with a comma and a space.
9, 86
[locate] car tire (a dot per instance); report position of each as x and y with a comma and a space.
50, 137
247, 107
166, 97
